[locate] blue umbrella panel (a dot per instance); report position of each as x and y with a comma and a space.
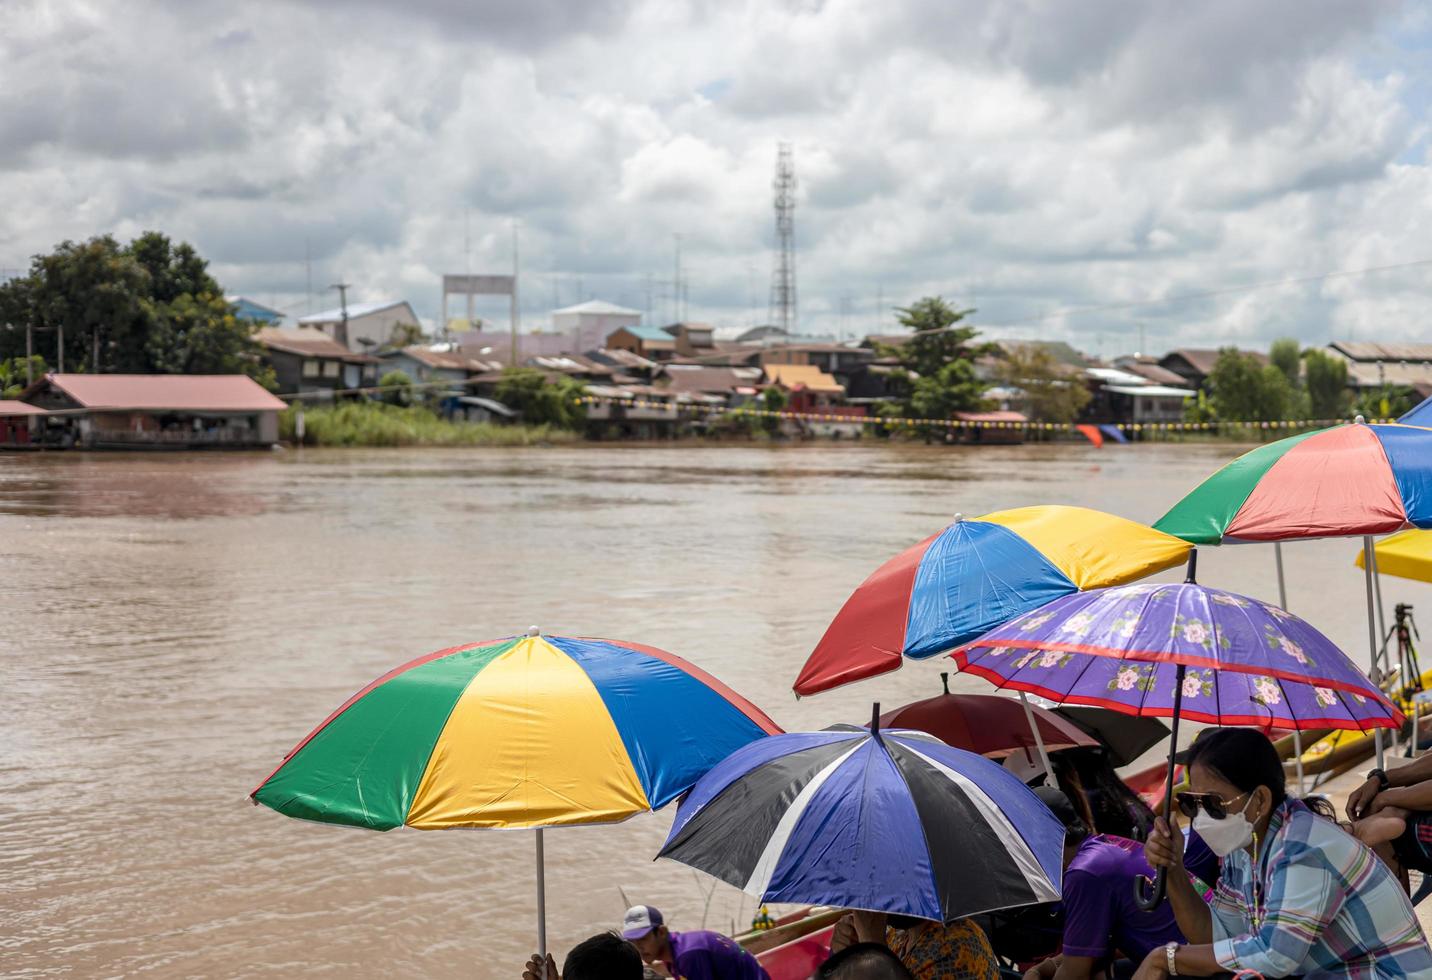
891, 822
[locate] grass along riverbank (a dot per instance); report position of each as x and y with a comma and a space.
377, 424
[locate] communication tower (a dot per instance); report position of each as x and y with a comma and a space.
783, 274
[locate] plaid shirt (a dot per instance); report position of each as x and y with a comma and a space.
1330, 907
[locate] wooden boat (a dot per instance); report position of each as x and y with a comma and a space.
795, 945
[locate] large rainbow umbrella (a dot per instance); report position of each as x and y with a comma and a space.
974, 575
525, 732
1347, 481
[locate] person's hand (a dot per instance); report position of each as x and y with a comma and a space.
869, 926
1361, 798
843, 934
659, 968
1164, 848
1154, 966
538, 969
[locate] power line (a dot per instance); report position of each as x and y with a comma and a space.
1205, 294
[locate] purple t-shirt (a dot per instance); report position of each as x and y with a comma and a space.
1100, 914
703, 955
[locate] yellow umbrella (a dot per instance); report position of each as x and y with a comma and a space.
1406, 554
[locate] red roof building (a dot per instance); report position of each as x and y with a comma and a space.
136, 411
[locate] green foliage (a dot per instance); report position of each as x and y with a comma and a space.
1387, 402
200, 335
362, 423
541, 402
938, 377
149, 307
773, 399
397, 388
1050, 394
406, 335
13, 374
1284, 355
1243, 390
1326, 383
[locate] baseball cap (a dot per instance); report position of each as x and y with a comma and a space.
640, 920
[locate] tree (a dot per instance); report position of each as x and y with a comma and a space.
1050, 394
1386, 402
150, 307
1326, 381
1284, 354
555, 403
938, 376
397, 388
405, 335
13, 374
773, 399
1243, 390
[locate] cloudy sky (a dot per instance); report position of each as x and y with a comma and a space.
1028, 158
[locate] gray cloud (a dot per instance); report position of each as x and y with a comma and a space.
1026, 156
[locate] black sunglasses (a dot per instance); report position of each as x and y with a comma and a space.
1213, 804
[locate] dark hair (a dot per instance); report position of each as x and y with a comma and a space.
863, 961
1116, 809
1076, 831
1241, 756
605, 956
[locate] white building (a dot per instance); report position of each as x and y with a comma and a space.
590, 323
370, 325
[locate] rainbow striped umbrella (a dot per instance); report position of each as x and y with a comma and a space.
974, 575
531, 731
1346, 481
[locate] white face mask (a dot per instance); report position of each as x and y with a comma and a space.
1225, 836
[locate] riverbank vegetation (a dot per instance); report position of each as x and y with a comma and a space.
361, 423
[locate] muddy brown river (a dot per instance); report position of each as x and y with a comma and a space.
175, 623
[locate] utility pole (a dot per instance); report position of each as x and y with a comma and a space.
516, 314
29, 354
676, 281
342, 288
60, 349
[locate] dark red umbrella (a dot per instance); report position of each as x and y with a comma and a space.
985, 724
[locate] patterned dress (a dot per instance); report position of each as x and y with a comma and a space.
956, 951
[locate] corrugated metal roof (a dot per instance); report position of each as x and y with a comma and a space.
310, 343
1150, 391
598, 306
648, 335
807, 376
496, 407
166, 392
355, 310
1360, 350
12, 408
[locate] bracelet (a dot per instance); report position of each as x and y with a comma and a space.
1169, 952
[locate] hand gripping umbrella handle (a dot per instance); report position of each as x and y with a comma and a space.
1145, 899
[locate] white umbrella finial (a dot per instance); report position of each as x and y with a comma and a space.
1359, 421
533, 631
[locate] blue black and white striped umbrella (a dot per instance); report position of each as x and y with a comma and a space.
892, 822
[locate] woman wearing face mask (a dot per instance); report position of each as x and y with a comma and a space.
1297, 896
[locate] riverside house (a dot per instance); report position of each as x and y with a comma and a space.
156, 411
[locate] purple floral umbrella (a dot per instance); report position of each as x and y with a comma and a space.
1180, 650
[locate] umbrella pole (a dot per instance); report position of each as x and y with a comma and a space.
541, 900
1283, 603
1367, 561
1038, 738
1149, 902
